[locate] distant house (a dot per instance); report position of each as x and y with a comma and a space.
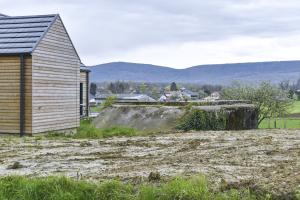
172, 96
181, 95
213, 97
40, 88
189, 94
92, 100
125, 98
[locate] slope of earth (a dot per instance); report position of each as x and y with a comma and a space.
264, 158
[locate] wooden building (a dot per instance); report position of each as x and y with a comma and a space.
39, 76
84, 91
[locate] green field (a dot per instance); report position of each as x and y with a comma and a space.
291, 122
295, 107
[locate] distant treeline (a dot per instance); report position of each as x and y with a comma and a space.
154, 90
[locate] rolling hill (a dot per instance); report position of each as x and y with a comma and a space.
204, 74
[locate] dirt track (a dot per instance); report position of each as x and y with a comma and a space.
266, 158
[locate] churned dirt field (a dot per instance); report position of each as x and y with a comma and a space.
268, 159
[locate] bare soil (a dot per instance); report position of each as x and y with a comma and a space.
268, 159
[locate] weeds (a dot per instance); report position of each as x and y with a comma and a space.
88, 131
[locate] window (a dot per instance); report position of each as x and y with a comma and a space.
81, 99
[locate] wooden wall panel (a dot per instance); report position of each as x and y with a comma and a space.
55, 82
10, 94
84, 82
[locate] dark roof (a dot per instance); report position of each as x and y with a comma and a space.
22, 34
2, 15
84, 68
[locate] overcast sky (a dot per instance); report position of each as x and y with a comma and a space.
175, 33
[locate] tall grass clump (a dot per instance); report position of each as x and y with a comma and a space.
179, 188
88, 130
62, 188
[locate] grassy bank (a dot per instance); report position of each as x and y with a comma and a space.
61, 188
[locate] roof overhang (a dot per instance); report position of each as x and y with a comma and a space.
83, 68
14, 54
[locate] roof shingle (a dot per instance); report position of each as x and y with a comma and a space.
22, 34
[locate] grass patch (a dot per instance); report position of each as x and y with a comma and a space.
295, 108
291, 123
96, 109
88, 131
62, 188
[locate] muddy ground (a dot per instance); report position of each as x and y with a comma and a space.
268, 159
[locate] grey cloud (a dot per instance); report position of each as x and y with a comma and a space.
104, 27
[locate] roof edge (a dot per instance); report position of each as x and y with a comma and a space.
14, 54
69, 38
45, 32
29, 16
57, 16
3, 15
84, 70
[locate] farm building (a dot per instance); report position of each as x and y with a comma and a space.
42, 82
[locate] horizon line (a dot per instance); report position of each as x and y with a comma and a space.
233, 63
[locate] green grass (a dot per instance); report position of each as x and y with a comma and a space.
88, 131
295, 108
291, 123
96, 109
62, 188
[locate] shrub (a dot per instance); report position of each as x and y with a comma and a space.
109, 101
202, 120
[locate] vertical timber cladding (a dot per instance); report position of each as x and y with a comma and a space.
10, 111
83, 80
55, 82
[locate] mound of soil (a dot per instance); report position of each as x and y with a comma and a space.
165, 118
